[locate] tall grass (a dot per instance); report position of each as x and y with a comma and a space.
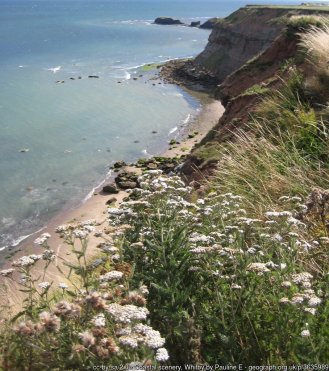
316, 44
261, 169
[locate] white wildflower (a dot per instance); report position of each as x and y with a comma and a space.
44, 285
99, 320
299, 278
79, 233
48, 255
314, 301
276, 214
251, 250
23, 261
284, 301
259, 268
111, 276
6, 272
88, 222
162, 355
297, 299
272, 265
42, 239
127, 313
144, 290
305, 333
310, 310
130, 341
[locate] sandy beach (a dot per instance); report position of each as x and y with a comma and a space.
95, 208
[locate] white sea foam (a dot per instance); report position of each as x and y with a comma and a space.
54, 69
187, 119
127, 75
146, 22
18, 240
90, 194
173, 130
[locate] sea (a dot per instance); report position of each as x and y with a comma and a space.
61, 130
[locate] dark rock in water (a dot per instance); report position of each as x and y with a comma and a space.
128, 184
154, 132
60, 82
79, 77
72, 78
210, 23
136, 141
110, 188
119, 164
167, 21
135, 78
111, 201
118, 82
195, 24
93, 77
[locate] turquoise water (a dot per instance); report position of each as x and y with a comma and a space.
57, 140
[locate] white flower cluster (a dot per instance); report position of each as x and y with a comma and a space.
42, 239
26, 261
44, 285
6, 272
99, 320
127, 313
80, 230
111, 276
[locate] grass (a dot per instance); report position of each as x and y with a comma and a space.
256, 89
292, 7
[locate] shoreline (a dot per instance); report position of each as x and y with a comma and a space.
95, 206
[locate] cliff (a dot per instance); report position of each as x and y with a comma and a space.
239, 37
248, 54
244, 34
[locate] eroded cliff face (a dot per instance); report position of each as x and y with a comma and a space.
239, 37
248, 54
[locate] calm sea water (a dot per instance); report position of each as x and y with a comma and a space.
57, 140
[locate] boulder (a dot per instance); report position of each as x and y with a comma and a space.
111, 201
209, 25
127, 180
110, 188
167, 21
128, 184
195, 24
152, 166
119, 164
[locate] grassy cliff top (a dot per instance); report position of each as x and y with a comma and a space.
292, 7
